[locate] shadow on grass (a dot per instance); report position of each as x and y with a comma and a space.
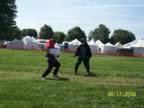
60, 78
91, 75
88, 75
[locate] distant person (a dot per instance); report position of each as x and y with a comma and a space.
84, 54
51, 56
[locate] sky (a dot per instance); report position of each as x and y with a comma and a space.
63, 15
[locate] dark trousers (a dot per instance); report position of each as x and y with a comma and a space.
52, 62
85, 62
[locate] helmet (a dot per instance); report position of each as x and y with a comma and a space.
50, 43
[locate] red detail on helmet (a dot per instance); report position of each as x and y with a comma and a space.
50, 44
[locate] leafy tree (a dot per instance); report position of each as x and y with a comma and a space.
29, 32
7, 15
122, 36
46, 32
59, 37
75, 33
101, 33
16, 33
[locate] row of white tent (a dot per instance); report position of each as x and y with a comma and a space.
96, 46
108, 48
137, 46
26, 43
31, 43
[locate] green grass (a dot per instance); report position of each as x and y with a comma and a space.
21, 87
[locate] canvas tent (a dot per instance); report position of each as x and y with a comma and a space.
16, 44
140, 43
75, 42
138, 48
118, 45
93, 46
92, 42
100, 46
73, 45
130, 44
108, 48
30, 43
138, 51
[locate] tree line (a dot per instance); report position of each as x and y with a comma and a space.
9, 30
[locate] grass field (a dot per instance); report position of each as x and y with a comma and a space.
119, 82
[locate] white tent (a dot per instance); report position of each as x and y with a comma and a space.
100, 46
131, 44
138, 51
92, 42
30, 43
99, 43
16, 44
108, 48
27, 39
108, 44
138, 48
118, 45
73, 45
140, 43
75, 42
93, 46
